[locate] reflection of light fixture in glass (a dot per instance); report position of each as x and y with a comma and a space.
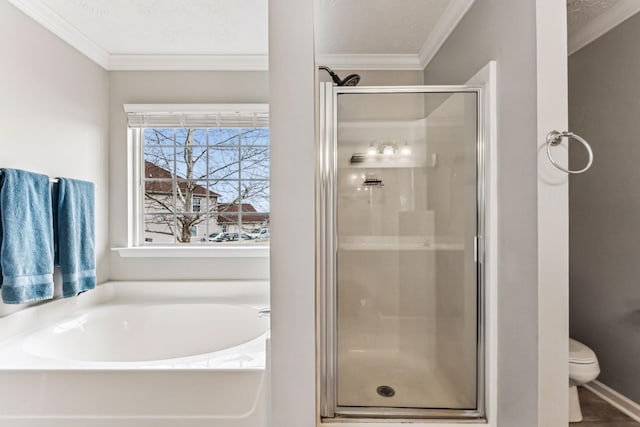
388, 150
382, 149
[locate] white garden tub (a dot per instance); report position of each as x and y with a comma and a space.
138, 354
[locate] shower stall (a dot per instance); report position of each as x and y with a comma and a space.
400, 256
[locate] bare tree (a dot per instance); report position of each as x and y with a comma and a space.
181, 167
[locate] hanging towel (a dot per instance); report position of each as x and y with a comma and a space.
75, 231
26, 237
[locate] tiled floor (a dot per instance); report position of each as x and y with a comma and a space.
597, 412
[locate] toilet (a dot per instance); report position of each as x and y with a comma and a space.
583, 367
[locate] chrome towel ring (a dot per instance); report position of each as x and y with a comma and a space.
555, 138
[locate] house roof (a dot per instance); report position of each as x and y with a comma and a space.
154, 171
249, 213
229, 212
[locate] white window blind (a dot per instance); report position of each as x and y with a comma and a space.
201, 116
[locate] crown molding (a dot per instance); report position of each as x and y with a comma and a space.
443, 29
603, 23
370, 61
120, 62
44, 16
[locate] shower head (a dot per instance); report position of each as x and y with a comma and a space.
350, 80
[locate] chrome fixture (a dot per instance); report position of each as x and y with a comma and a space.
386, 391
372, 181
350, 80
264, 312
555, 138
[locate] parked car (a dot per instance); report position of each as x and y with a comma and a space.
228, 237
245, 236
219, 237
261, 234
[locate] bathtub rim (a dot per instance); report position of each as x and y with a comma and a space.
17, 325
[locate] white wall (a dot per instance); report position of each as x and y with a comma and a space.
178, 87
53, 114
553, 216
292, 81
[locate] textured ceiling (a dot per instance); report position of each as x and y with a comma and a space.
240, 27
375, 26
227, 27
581, 12
169, 26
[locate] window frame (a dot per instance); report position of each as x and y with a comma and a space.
195, 205
136, 187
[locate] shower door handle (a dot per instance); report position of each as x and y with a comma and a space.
475, 249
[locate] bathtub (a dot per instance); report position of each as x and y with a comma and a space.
139, 354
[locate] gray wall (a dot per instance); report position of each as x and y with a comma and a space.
604, 203
178, 87
505, 30
54, 115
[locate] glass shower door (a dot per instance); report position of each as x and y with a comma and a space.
402, 274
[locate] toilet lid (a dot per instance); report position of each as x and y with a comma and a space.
580, 353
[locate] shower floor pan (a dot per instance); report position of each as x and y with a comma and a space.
415, 383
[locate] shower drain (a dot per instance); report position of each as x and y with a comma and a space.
386, 391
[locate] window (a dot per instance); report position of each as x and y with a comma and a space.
203, 177
196, 203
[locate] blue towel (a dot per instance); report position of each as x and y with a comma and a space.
26, 237
75, 231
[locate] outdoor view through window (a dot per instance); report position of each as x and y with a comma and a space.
206, 186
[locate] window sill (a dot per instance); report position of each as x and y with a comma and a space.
192, 252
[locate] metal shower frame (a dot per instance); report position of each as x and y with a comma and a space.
326, 253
